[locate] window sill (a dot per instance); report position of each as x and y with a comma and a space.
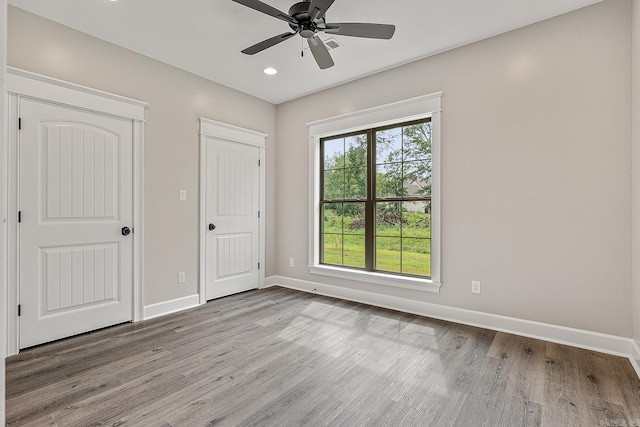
413, 283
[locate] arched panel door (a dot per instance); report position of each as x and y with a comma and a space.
76, 205
232, 216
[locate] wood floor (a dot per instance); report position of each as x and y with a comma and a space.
277, 357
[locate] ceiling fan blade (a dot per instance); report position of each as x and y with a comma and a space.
265, 8
265, 44
320, 53
360, 29
318, 8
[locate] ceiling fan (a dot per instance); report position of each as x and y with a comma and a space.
307, 18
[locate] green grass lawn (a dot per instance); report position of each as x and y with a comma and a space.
410, 254
386, 260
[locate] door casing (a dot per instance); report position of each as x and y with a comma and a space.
212, 128
24, 84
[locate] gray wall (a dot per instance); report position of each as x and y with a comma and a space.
636, 166
536, 169
3, 201
176, 100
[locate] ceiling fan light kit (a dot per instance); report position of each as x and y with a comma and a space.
307, 18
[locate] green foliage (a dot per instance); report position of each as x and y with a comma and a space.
404, 159
417, 148
345, 174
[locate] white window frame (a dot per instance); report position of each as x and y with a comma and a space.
422, 107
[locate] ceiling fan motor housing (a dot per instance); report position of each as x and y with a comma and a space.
307, 28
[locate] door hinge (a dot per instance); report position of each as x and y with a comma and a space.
19, 216
258, 266
19, 310
258, 214
258, 162
19, 123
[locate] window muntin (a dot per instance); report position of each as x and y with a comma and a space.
375, 199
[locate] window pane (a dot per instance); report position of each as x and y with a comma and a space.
417, 141
416, 256
401, 227
389, 180
356, 187
333, 153
354, 218
332, 249
332, 214
353, 251
388, 254
334, 184
356, 147
416, 219
389, 145
417, 178
388, 219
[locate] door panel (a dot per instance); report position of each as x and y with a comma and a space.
234, 255
75, 276
232, 205
79, 170
75, 196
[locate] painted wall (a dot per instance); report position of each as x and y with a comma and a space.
536, 172
176, 100
3, 205
635, 121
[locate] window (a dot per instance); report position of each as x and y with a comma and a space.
375, 199
375, 195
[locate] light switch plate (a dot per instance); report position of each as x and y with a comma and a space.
183, 195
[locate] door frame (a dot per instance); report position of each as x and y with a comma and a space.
213, 129
22, 84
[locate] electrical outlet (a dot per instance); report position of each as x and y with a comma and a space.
182, 277
475, 287
183, 195
290, 262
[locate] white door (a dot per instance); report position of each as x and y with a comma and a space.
232, 217
75, 199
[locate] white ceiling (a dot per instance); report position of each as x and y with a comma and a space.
205, 37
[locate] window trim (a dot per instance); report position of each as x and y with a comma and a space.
422, 107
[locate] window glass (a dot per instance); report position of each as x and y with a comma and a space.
376, 200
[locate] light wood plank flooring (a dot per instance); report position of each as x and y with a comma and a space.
278, 357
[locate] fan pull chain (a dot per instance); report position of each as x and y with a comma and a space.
302, 48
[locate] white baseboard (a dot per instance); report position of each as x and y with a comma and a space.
269, 282
596, 341
635, 356
171, 306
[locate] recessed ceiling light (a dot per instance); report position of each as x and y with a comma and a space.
270, 71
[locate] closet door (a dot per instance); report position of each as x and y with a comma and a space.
76, 204
233, 224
